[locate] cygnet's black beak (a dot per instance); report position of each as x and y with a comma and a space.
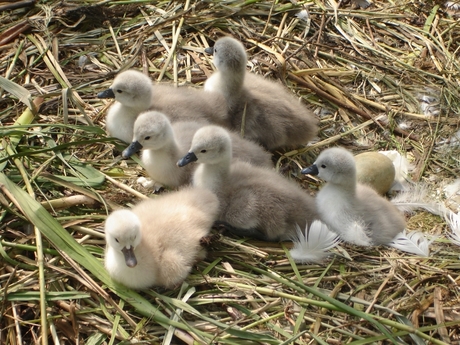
188, 158
134, 147
209, 50
311, 170
106, 94
130, 258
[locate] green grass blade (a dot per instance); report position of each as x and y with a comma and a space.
50, 296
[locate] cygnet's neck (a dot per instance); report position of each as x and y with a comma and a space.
125, 111
228, 82
345, 184
169, 151
213, 175
172, 147
140, 102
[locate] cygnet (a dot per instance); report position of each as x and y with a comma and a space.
135, 93
157, 242
255, 202
164, 143
265, 111
354, 211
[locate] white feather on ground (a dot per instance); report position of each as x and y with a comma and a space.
413, 242
452, 189
429, 102
452, 5
313, 244
402, 169
452, 141
454, 223
416, 198
452, 193
303, 15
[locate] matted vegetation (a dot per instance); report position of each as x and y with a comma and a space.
382, 77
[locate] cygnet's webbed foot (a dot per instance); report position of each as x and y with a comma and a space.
223, 227
150, 184
207, 241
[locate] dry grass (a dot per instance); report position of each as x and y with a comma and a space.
368, 73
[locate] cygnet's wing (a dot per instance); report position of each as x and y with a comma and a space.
382, 218
249, 151
186, 104
279, 112
257, 198
174, 225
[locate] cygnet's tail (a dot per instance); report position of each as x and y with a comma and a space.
313, 244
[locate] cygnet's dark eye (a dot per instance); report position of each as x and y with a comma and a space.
147, 137
203, 151
323, 166
119, 91
116, 239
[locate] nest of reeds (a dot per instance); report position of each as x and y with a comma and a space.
379, 76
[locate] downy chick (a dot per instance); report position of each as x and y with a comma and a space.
157, 242
266, 111
255, 202
354, 211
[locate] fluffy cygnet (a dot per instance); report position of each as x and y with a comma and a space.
157, 242
255, 202
353, 210
135, 93
266, 111
164, 143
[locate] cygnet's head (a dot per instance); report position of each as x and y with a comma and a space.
229, 54
152, 131
123, 234
210, 145
335, 165
131, 88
